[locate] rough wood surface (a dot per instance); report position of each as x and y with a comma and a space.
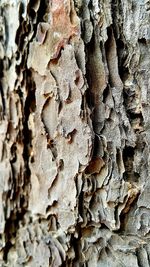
74, 133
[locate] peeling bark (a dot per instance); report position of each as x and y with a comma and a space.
74, 133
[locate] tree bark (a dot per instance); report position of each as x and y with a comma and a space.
74, 133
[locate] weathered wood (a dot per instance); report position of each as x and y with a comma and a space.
74, 133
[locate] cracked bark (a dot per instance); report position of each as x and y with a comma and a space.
74, 133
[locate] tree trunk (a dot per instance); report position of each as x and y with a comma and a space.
74, 133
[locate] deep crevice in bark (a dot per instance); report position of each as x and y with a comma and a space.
109, 197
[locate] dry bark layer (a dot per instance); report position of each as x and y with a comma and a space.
74, 133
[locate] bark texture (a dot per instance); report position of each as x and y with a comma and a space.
74, 133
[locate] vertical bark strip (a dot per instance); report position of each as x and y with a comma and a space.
74, 133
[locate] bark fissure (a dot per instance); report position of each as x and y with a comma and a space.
74, 133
